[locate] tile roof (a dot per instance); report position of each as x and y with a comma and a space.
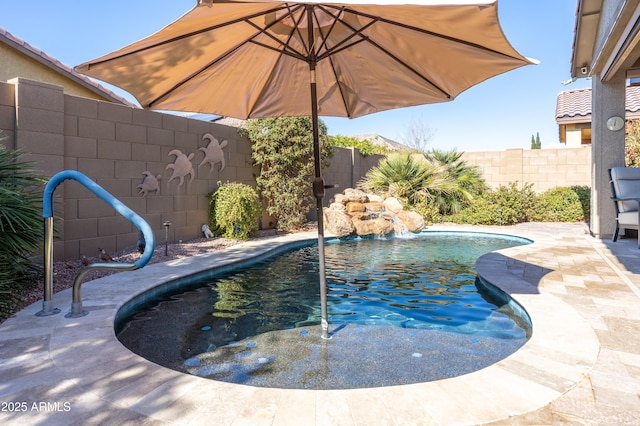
25, 48
575, 105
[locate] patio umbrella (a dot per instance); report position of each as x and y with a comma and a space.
259, 58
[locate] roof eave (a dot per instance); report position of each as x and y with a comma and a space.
584, 39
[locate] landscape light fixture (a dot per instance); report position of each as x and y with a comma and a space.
167, 224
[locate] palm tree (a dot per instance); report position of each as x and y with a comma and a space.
409, 177
468, 181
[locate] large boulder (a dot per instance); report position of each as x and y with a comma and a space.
392, 205
412, 220
354, 206
340, 198
337, 221
374, 207
356, 195
373, 198
357, 213
378, 226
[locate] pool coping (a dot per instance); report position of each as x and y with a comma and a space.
80, 361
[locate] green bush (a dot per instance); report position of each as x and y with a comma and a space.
21, 229
283, 150
364, 146
584, 195
507, 205
559, 204
235, 210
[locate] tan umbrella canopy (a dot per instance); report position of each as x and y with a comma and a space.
252, 59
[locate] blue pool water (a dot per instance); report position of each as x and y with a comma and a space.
259, 325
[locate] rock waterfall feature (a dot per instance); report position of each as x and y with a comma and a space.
355, 212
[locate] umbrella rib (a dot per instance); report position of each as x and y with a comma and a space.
286, 49
293, 53
336, 19
432, 33
344, 99
194, 33
410, 68
358, 32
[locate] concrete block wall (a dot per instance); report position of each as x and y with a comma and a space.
114, 144
544, 168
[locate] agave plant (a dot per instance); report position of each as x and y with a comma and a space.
21, 228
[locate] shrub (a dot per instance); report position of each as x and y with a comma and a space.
364, 146
283, 149
21, 230
507, 205
235, 210
559, 204
510, 205
584, 195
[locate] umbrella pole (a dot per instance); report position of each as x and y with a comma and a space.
318, 192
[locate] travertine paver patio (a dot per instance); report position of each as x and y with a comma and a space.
581, 366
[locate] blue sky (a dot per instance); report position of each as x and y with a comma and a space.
500, 113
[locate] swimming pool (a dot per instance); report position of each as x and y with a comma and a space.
410, 310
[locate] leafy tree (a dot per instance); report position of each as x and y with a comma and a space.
21, 230
366, 147
283, 149
436, 183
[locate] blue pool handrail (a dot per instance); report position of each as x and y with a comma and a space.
47, 213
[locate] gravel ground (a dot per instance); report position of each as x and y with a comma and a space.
64, 272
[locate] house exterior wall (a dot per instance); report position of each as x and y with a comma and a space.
16, 64
544, 168
574, 136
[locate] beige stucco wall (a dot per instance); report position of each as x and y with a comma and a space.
16, 64
544, 168
574, 136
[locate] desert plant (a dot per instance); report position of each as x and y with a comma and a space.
505, 206
283, 149
409, 177
235, 210
467, 181
364, 146
584, 195
21, 229
559, 204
